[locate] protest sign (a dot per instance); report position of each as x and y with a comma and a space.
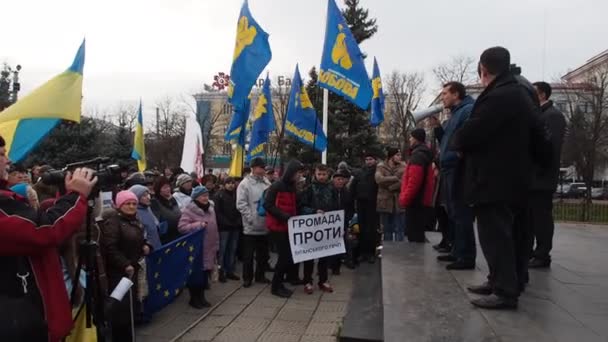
316, 236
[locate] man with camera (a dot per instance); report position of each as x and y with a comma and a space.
33, 297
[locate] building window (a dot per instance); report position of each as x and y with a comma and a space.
227, 109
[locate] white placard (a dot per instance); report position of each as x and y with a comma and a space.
316, 236
121, 289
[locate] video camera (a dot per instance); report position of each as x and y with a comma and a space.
107, 174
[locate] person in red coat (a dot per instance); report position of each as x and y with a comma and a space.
29, 259
281, 204
417, 186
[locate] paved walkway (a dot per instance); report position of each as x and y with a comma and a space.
569, 302
253, 314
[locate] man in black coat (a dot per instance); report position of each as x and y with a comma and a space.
545, 180
495, 145
364, 191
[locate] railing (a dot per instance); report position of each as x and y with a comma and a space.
580, 210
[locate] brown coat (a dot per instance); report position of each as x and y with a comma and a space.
389, 184
122, 242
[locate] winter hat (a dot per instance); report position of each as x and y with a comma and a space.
391, 151
342, 173
419, 134
258, 162
136, 178
124, 196
182, 179
199, 190
139, 191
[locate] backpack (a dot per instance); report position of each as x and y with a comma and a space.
260, 209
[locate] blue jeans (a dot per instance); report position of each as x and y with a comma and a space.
460, 216
228, 243
393, 224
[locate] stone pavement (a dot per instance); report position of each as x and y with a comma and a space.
253, 314
178, 316
569, 302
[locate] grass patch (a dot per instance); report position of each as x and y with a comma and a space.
580, 212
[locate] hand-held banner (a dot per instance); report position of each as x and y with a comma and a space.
316, 236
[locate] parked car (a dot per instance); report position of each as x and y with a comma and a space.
599, 193
576, 190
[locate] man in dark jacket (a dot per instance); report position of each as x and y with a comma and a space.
495, 145
417, 187
460, 216
230, 226
30, 266
318, 198
545, 180
344, 202
280, 205
364, 191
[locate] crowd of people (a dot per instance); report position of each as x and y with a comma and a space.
496, 161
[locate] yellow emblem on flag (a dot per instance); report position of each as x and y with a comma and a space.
339, 54
245, 35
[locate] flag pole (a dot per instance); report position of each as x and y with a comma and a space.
325, 110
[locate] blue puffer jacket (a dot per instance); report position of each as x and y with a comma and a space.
460, 114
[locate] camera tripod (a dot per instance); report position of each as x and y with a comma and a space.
94, 298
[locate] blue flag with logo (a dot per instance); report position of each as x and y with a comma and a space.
238, 123
263, 122
171, 268
251, 55
342, 68
301, 120
378, 97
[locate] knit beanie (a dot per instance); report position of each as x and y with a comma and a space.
139, 191
182, 179
419, 134
124, 196
199, 190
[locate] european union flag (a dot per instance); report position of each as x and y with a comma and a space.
171, 268
378, 98
342, 69
302, 121
263, 122
251, 55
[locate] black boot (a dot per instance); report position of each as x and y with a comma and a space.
195, 297
204, 301
222, 277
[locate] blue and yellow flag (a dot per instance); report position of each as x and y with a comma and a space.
301, 120
139, 148
342, 68
263, 122
378, 98
171, 268
251, 55
24, 124
236, 134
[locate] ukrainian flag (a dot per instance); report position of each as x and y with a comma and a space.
251, 55
139, 148
378, 97
24, 124
263, 122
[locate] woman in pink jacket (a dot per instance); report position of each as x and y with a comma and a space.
199, 214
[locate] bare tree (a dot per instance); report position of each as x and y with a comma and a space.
586, 142
280, 101
405, 91
164, 149
460, 69
208, 123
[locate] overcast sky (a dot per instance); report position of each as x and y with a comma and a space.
151, 48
